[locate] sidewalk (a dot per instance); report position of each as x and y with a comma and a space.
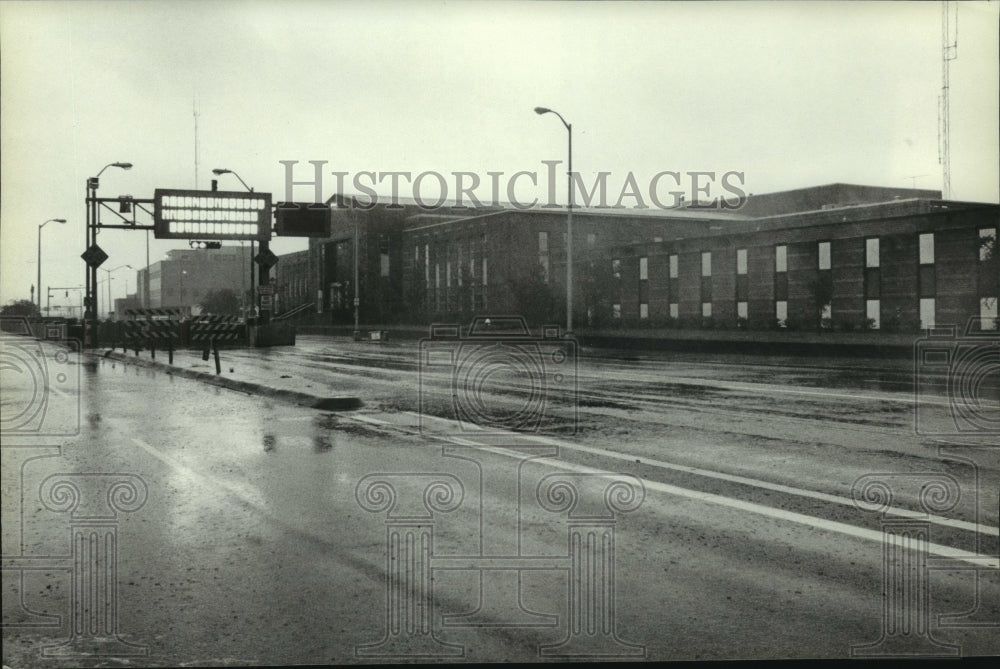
766, 342
241, 371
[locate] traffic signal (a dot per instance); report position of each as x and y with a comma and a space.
205, 245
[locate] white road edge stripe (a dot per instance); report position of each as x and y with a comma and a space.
812, 521
987, 530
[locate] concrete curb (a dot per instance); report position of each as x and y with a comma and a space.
248, 387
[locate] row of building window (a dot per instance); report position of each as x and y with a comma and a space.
873, 309
987, 242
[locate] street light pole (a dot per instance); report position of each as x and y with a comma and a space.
569, 218
109, 271
39, 284
263, 277
357, 297
93, 222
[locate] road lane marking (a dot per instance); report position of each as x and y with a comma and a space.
981, 528
204, 478
721, 500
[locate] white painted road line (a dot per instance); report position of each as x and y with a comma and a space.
721, 500
981, 528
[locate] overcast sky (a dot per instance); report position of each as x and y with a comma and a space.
790, 94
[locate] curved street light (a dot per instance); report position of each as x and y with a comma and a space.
109, 271
219, 171
569, 218
90, 302
39, 277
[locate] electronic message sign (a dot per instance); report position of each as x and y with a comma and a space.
203, 214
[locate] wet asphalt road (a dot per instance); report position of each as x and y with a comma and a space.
256, 545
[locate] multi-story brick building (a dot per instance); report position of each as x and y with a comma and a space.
899, 265
838, 256
291, 279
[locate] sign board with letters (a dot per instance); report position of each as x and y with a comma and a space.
203, 214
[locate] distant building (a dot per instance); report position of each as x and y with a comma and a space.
187, 275
128, 302
294, 283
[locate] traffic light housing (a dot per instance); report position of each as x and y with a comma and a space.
205, 245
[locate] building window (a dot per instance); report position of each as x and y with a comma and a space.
447, 274
706, 263
674, 310
871, 252
437, 275
616, 311
706, 309
781, 312
825, 315
591, 239
988, 313
927, 248
673, 266
427, 265
657, 240
873, 312
616, 268
643, 269
742, 310
643, 310
781, 258
824, 255
543, 254
484, 271
741, 261
927, 313
987, 243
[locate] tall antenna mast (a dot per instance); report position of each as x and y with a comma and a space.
949, 52
196, 142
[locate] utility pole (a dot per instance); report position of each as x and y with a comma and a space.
949, 52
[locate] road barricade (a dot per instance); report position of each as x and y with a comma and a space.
152, 329
210, 331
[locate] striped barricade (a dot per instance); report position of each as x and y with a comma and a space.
152, 329
206, 329
210, 331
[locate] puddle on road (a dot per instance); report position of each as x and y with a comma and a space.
329, 421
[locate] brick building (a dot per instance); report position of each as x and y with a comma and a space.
901, 265
291, 278
837, 256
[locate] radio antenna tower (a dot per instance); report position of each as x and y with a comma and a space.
949, 52
195, 109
